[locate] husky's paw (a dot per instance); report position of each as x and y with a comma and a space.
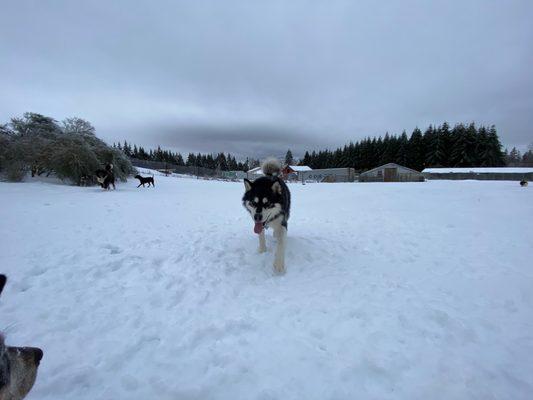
279, 267
261, 249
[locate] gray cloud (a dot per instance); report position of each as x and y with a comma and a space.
243, 140
258, 77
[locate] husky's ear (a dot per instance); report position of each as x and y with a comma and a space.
276, 187
247, 184
3, 280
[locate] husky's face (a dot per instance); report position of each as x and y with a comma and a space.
18, 367
262, 199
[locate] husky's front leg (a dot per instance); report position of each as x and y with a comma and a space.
262, 242
279, 260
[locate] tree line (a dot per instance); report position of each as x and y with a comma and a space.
513, 158
220, 161
464, 145
438, 146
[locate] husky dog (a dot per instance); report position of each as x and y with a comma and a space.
523, 183
105, 177
268, 201
142, 180
18, 366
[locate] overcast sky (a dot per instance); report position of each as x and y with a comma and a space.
258, 77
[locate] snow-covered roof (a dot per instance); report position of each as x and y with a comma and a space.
479, 170
300, 168
254, 170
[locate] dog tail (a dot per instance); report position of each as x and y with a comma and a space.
271, 167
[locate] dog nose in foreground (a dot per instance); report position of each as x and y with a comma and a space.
258, 217
37, 354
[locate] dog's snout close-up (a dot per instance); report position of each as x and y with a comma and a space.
258, 217
30, 355
34, 352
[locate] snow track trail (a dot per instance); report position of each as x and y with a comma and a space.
392, 291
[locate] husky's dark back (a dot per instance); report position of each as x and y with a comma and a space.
18, 366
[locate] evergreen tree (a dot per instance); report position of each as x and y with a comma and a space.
492, 155
446, 145
126, 149
179, 160
402, 150
435, 148
527, 159
514, 157
306, 160
463, 154
288, 158
384, 150
416, 151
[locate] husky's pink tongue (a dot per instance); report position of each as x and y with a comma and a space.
258, 227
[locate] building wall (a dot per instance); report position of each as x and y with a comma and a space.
410, 177
402, 175
401, 171
495, 176
328, 175
234, 174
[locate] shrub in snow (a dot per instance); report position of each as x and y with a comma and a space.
71, 151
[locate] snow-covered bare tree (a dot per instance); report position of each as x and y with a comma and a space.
78, 126
71, 152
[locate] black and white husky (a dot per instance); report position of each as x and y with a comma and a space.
105, 177
268, 201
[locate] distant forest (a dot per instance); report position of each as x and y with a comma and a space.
224, 162
464, 145
441, 146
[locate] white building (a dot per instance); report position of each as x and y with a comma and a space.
480, 173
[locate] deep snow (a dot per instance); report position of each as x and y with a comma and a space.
392, 291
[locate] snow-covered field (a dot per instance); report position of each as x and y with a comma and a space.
392, 291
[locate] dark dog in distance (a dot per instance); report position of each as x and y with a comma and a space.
18, 366
105, 177
523, 183
148, 179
